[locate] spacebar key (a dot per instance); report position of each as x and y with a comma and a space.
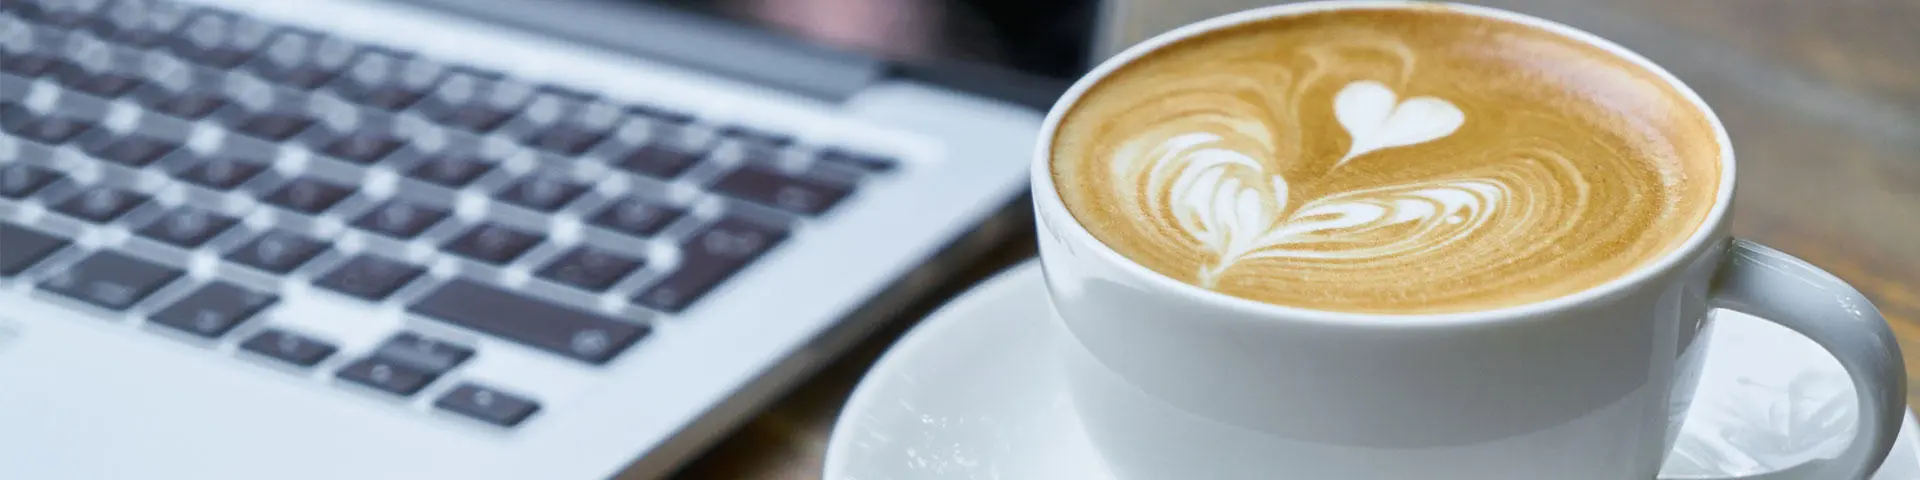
575, 334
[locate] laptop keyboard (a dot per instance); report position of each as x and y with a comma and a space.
397, 150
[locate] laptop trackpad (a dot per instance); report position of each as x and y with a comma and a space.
84, 398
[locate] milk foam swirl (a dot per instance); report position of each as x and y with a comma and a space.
1237, 221
1352, 168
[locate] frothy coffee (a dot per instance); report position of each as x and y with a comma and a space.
1387, 160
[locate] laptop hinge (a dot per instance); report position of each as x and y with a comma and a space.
683, 39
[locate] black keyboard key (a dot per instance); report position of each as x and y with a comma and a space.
363, 147
400, 219
147, 24
567, 95
475, 117
708, 258
590, 268
64, 14
570, 125
391, 98
583, 336
475, 91
386, 376
71, 73
84, 53
214, 56
219, 39
25, 247
54, 130
756, 136
277, 251
568, 139
30, 10
16, 116
188, 227
308, 195
422, 353
771, 187
659, 161
637, 217
103, 84
491, 243
214, 309
107, 21
96, 68
101, 204
303, 59
487, 405
543, 192
192, 105
387, 79
220, 173
19, 181
476, 100
32, 64
293, 348
111, 280
660, 115
475, 74
370, 277
275, 126
163, 76
43, 128
857, 160
303, 77
450, 171
133, 150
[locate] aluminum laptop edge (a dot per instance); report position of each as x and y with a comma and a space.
89, 394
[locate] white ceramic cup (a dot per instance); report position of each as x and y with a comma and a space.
1177, 382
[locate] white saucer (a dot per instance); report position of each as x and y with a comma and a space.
972, 393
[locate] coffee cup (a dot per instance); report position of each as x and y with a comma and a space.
1444, 242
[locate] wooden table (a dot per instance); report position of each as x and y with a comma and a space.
1822, 99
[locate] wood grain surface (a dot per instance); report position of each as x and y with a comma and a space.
1822, 99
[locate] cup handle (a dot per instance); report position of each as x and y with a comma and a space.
1769, 284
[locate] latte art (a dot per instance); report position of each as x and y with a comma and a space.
1374, 120
1393, 161
1235, 222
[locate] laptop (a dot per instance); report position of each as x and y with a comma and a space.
479, 239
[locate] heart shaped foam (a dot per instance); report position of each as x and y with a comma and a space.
1376, 119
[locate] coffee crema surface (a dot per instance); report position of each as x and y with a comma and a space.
1396, 161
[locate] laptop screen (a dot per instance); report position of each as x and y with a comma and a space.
1050, 38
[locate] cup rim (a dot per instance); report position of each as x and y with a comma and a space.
1046, 195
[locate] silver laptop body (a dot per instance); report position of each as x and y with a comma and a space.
506, 251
